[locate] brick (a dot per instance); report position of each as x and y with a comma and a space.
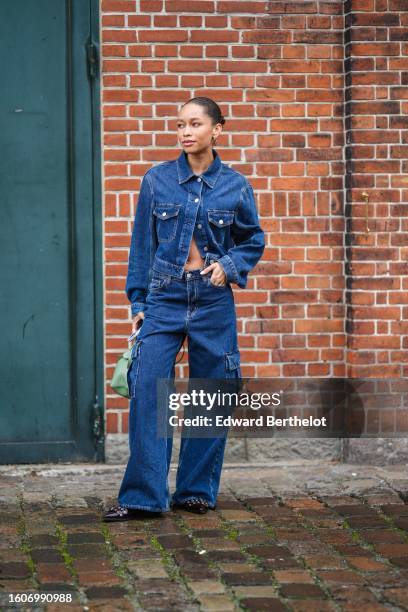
397, 510
281, 563
46, 555
85, 538
49, 572
233, 568
263, 603
392, 550
87, 550
268, 592
219, 544
324, 561
87, 579
358, 522
206, 586
14, 570
401, 562
78, 519
239, 515
302, 591
353, 593
108, 592
296, 576
91, 565
356, 509
216, 602
251, 578
270, 552
365, 564
225, 555
43, 540
175, 541
398, 596
130, 540
208, 533
374, 536
312, 605
148, 569
345, 576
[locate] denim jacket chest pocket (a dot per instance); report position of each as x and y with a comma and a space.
219, 224
167, 219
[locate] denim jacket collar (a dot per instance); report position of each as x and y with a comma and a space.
209, 176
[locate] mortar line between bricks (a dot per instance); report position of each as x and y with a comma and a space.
173, 570
25, 542
61, 534
120, 567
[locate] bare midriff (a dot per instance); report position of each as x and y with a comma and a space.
194, 260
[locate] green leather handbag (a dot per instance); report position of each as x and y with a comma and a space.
119, 382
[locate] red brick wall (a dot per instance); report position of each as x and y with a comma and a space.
277, 71
376, 122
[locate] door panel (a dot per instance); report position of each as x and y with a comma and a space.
47, 302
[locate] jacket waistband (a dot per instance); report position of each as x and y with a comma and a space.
166, 267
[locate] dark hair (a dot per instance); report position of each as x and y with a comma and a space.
211, 108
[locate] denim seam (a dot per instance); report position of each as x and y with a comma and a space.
136, 358
215, 465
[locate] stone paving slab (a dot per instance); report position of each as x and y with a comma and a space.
295, 536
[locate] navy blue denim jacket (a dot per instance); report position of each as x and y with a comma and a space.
217, 207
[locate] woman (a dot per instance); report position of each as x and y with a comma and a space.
196, 231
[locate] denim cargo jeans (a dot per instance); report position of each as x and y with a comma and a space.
191, 306
217, 208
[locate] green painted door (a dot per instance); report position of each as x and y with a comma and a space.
50, 302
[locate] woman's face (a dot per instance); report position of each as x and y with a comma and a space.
195, 129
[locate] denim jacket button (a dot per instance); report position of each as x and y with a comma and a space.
164, 214
197, 200
198, 180
199, 225
206, 248
221, 221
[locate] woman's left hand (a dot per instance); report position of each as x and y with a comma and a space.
218, 277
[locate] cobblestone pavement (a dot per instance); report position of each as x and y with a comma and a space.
297, 536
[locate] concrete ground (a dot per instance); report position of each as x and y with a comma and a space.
302, 536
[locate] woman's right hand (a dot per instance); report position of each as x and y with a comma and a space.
135, 321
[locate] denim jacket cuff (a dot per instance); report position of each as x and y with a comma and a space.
229, 268
136, 307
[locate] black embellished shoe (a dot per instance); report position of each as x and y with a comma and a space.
120, 513
198, 505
